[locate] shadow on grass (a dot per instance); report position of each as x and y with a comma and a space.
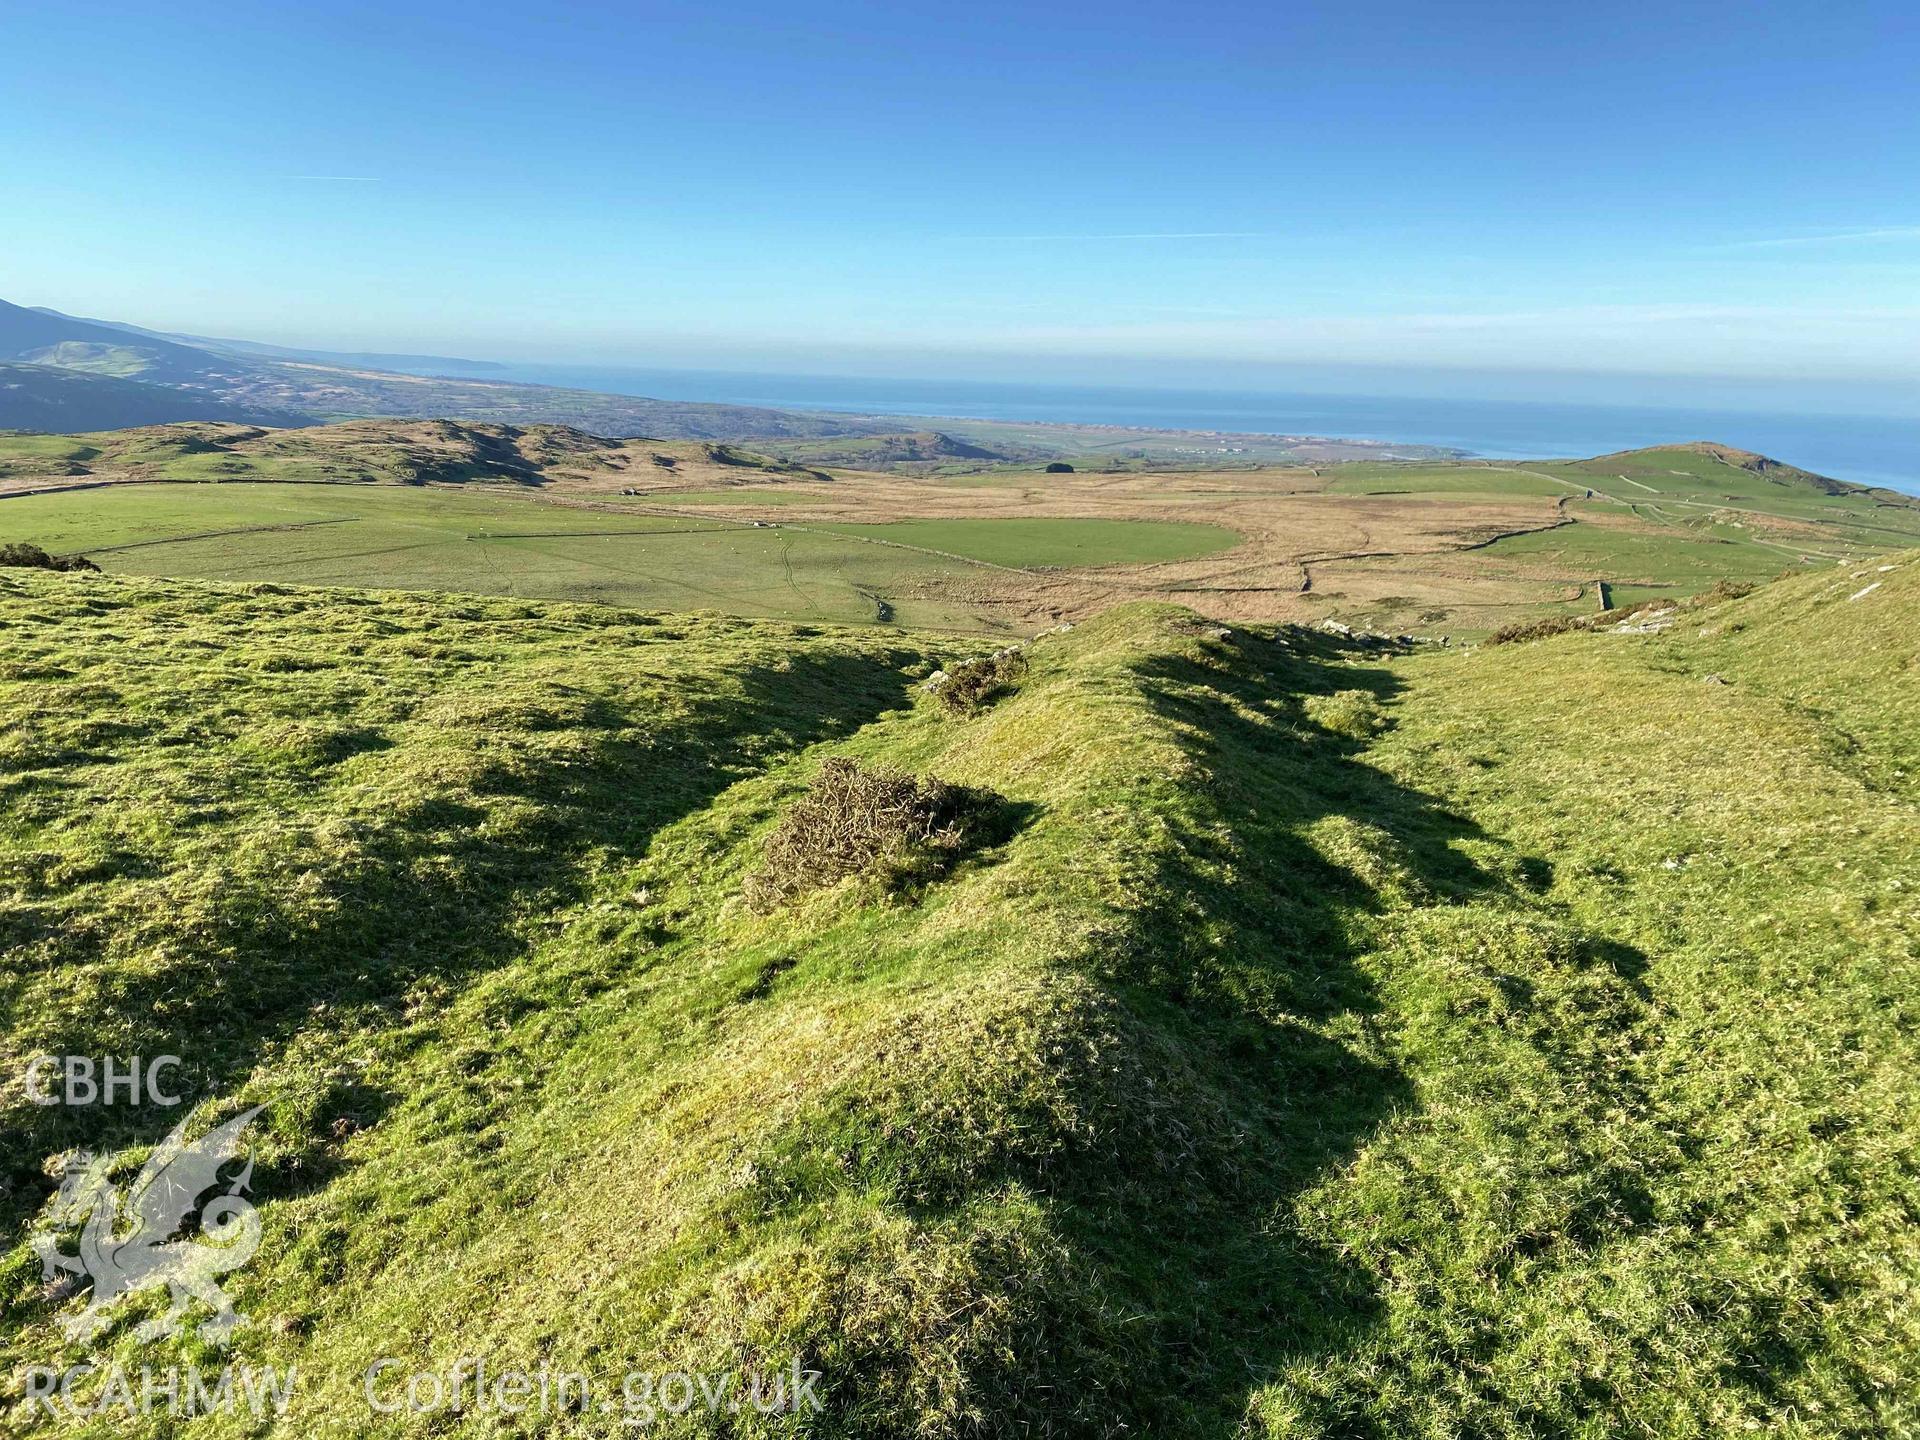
1249, 969
1246, 970
438, 887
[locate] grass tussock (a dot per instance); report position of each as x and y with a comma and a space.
1524, 630
972, 685
22, 556
893, 828
1353, 714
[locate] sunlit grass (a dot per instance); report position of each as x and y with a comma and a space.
1509, 1042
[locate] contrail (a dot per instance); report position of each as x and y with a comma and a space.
1899, 232
1144, 235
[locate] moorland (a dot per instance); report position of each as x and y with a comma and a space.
1454, 548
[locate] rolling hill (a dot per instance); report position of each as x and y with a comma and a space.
920, 449
358, 359
1296, 1039
377, 452
37, 337
58, 400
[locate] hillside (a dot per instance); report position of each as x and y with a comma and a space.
1658, 458
920, 448
384, 452
378, 360
58, 400
40, 338
1370, 1044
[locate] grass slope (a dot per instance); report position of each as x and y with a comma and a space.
1055, 542
48, 338
1671, 520
488, 543
1512, 1042
416, 452
395, 537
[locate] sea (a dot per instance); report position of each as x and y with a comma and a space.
1866, 449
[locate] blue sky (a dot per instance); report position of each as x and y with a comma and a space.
1720, 197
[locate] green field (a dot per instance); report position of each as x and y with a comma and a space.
28, 453
1402, 546
1039, 544
1516, 1042
1702, 520
1686, 562
435, 539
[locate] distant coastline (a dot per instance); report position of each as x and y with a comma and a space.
1868, 450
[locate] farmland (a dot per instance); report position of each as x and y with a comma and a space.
390, 537
1055, 543
1433, 548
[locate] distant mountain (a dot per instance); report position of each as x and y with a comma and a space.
37, 337
920, 447
365, 359
62, 401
